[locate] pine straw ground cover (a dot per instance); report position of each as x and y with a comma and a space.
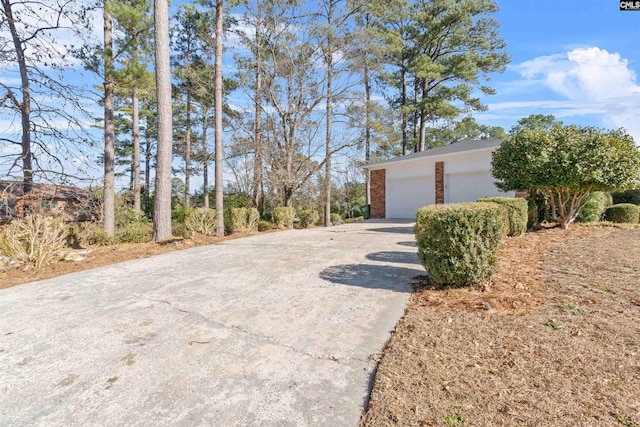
553, 340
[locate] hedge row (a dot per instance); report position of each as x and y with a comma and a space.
516, 214
627, 213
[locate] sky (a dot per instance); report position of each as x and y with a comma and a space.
577, 60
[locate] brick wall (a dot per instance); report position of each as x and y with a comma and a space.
439, 182
378, 193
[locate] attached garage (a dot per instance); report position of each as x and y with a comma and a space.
455, 173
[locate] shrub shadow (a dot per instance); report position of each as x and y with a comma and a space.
395, 257
396, 230
371, 276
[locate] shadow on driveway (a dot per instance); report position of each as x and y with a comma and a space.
397, 230
371, 276
411, 244
394, 256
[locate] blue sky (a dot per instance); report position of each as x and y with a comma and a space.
575, 59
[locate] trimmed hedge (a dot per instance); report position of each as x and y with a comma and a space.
626, 213
458, 243
308, 217
244, 220
594, 209
284, 217
517, 213
629, 196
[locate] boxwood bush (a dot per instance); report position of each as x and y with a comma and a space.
458, 243
201, 221
623, 213
244, 220
308, 217
284, 217
336, 219
517, 213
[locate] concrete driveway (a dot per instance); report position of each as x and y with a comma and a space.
278, 329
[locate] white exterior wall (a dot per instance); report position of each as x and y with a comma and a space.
411, 185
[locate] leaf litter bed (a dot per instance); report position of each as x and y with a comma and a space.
553, 340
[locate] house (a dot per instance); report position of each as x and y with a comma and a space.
71, 204
455, 173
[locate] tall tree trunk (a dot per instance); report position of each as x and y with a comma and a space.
257, 160
162, 200
25, 105
403, 82
187, 152
218, 121
329, 117
109, 131
423, 119
367, 131
416, 114
147, 169
135, 139
205, 163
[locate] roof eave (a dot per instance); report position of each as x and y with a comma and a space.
383, 164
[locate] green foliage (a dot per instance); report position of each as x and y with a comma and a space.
179, 213
517, 213
201, 221
34, 239
594, 209
623, 213
458, 243
308, 217
628, 196
284, 217
134, 233
179, 229
566, 164
533, 221
336, 219
265, 225
95, 235
453, 420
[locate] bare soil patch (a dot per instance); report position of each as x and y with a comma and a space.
554, 339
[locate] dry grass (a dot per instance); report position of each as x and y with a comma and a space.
558, 346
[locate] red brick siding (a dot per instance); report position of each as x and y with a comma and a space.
439, 182
378, 193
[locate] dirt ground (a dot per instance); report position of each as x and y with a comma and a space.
103, 255
553, 340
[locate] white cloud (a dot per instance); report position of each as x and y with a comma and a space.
592, 81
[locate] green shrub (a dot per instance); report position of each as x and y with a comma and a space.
265, 225
134, 233
594, 209
94, 234
127, 216
458, 243
623, 213
309, 217
517, 213
179, 213
629, 196
244, 220
533, 211
201, 221
34, 239
238, 220
284, 217
179, 229
336, 219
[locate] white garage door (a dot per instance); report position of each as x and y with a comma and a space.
469, 187
405, 196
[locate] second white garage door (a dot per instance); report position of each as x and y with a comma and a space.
405, 196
